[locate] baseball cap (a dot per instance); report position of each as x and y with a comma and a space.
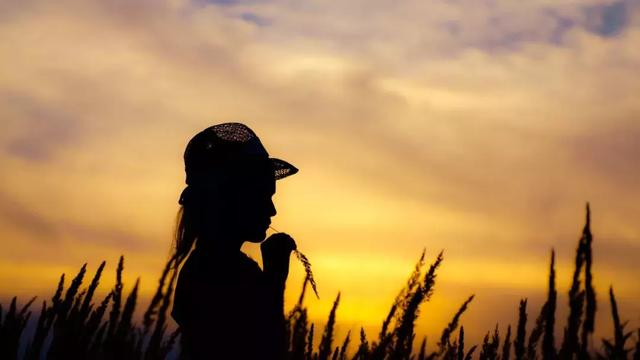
228, 146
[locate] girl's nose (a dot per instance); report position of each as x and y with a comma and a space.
272, 209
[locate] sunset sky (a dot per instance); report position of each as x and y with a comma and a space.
481, 127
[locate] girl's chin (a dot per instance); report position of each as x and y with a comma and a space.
257, 238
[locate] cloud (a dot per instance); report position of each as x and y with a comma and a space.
608, 19
42, 128
43, 229
223, 2
255, 19
610, 153
18, 215
480, 127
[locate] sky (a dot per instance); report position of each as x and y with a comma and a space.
477, 127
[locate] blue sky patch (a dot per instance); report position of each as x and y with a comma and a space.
608, 20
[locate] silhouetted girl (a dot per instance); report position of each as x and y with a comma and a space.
226, 306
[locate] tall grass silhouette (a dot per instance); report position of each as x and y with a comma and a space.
75, 325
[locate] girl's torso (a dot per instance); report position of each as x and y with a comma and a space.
221, 304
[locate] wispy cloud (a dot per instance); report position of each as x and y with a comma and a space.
477, 126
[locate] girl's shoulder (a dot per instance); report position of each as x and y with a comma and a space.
248, 262
212, 265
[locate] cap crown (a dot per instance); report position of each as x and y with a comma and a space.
224, 145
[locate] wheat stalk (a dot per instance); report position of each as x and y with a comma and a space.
307, 268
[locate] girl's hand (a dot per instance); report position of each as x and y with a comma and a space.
276, 251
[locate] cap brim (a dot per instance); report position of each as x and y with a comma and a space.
282, 169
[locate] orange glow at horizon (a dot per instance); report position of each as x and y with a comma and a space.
418, 127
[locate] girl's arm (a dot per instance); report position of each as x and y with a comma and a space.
276, 251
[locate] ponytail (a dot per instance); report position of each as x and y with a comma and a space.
187, 227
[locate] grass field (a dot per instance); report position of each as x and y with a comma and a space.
73, 324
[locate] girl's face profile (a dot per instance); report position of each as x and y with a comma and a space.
255, 209
245, 205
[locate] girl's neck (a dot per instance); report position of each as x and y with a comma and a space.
219, 244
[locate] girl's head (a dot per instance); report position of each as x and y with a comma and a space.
230, 181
